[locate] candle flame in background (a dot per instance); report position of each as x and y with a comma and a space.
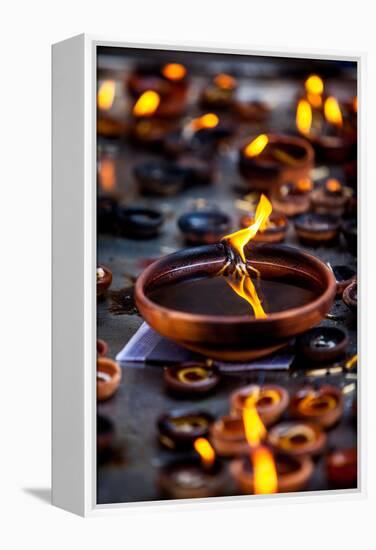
210, 120
332, 111
225, 81
265, 480
355, 104
304, 116
239, 239
304, 184
174, 71
106, 95
107, 174
314, 85
256, 147
333, 185
147, 104
205, 450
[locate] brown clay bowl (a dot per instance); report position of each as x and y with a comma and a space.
323, 406
227, 436
268, 408
267, 173
297, 438
108, 378
235, 337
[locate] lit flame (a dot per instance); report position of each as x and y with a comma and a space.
304, 116
315, 100
106, 95
210, 120
245, 288
314, 85
174, 71
147, 104
333, 185
239, 239
256, 146
205, 450
355, 104
332, 111
225, 81
107, 174
265, 480
304, 185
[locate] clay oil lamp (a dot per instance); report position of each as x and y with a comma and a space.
297, 438
219, 93
160, 177
293, 198
261, 471
251, 110
204, 226
269, 293
111, 122
331, 198
108, 378
326, 133
270, 400
169, 81
344, 276
270, 160
195, 477
179, 429
191, 379
228, 437
149, 129
138, 222
102, 348
350, 296
323, 406
104, 280
274, 230
323, 344
317, 229
350, 233
342, 468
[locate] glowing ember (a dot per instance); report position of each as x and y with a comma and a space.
256, 146
314, 85
304, 117
174, 71
332, 111
205, 450
333, 185
147, 104
210, 120
106, 95
107, 174
225, 81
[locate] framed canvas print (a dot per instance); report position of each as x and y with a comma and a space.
205, 275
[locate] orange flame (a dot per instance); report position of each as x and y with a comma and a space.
205, 450
355, 104
107, 174
264, 471
333, 185
314, 85
225, 81
254, 428
332, 111
239, 239
304, 185
304, 116
147, 104
106, 95
174, 71
210, 120
256, 146
245, 288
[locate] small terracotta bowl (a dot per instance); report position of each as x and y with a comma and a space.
271, 401
102, 348
323, 406
274, 233
350, 296
293, 473
137, 222
108, 377
317, 229
342, 468
297, 438
323, 344
104, 279
188, 478
204, 226
228, 437
195, 378
252, 111
179, 429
